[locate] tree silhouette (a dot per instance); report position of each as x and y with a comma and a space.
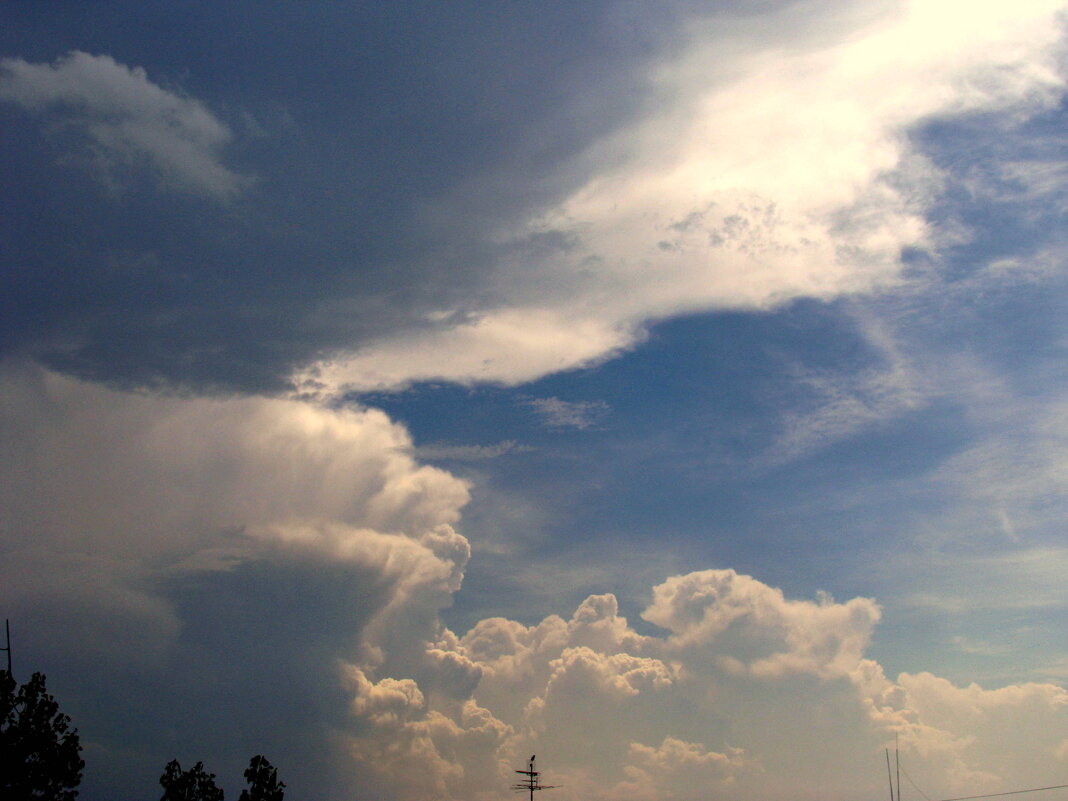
195, 784
263, 784
40, 755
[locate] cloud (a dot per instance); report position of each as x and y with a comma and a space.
750, 693
784, 171
556, 413
728, 159
1013, 479
483, 349
674, 767
953, 583
844, 404
199, 466
472, 453
253, 574
714, 606
271, 573
123, 119
268, 537
957, 729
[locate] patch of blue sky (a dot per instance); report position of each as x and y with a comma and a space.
684, 464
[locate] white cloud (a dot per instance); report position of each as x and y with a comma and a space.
958, 732
675, 767
774, 165
507, 346
717, 606
750, 693
472, 453
272, 535
109, 496
846, 404
557, 413
125, 119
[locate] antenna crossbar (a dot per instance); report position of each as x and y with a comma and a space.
531, 784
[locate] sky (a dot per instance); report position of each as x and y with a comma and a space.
673, 390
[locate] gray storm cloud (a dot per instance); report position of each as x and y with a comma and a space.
124, 118
263, 539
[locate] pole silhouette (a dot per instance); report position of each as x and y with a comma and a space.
7, 632
531, 783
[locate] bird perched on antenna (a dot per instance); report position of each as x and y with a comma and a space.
531, 783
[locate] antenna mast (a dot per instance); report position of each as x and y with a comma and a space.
897, 765
531, 783
7, 631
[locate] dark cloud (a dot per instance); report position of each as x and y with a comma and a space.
191, 577
366, 116
252, 668
394, 148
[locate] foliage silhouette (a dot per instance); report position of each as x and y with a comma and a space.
263, 784
195, 784
40, 755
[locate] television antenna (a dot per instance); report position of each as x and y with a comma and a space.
7, 631
531, 783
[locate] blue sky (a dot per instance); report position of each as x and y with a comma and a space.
672, 390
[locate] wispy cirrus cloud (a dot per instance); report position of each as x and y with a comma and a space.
557, 413
123, 120
470, 453
846, 403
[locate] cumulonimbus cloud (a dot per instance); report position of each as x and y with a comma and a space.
136, 527
304, 556
125, 119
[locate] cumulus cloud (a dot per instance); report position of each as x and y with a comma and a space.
955, 736
675, 767
123, 119
823, 638
748, 692
302, 556
784, 172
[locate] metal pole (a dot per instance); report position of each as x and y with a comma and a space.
7, 631
897, 762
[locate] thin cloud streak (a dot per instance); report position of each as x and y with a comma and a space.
556, 413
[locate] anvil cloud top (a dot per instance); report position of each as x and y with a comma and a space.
673, 390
